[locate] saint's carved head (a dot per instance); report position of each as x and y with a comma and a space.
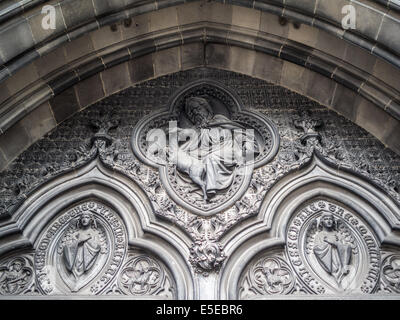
327, 221
85, 220
198, 110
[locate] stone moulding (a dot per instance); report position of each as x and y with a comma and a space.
119, 12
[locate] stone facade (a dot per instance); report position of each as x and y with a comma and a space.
84, 212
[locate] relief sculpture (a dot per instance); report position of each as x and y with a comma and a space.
205, 146
331, 248
211, 157
15, 276
84, 243
81, 250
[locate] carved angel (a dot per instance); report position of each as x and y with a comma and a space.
82, 246
331, 249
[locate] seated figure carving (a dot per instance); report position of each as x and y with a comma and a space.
216, 147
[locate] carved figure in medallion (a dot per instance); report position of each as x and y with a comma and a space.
205, 145
216, 149
142, 276
331, 251
272, 276
14, 276
83, 246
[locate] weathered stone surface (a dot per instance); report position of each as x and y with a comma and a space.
219, 13
162, 19
39, 122
139, 25
389, 34
141, 68
242, 60
192, 55
267, 68
270, 23
387, 72
4, 93
15, 38
116, 78
329, 43
368, 19
192, 12
89, 91
320, 88
78, 48
166, 61
246, 18
345, 102
360, 58
306, 5
50, 62
64, 105
368, 117
294, 77
77, 12
14, 141
105, 37
217, 55
305, 34
22, 78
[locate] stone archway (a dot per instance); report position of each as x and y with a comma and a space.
70, 97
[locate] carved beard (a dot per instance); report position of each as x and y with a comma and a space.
200, 121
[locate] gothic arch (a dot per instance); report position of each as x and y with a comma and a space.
318, 180
95, 183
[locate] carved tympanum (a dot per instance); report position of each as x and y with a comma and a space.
81, 250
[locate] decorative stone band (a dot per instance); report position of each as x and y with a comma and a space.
96, 15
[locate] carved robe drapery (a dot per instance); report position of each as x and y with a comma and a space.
333, 255
220, 147
81, 255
